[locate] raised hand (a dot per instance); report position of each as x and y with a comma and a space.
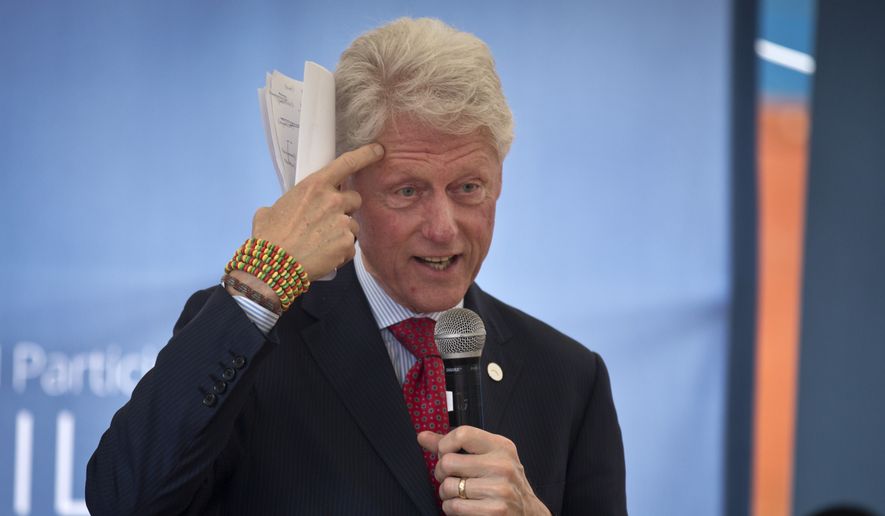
312, 220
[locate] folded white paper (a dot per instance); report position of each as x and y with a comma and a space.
299, 123
316, 143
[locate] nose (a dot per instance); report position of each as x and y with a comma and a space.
439, 219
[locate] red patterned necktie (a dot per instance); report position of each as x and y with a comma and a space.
425, 387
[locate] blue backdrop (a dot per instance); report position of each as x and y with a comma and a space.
133, 158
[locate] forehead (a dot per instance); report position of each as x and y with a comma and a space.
406, 140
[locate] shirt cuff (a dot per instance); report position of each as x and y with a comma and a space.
261, 316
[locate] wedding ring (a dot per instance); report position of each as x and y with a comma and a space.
462, 489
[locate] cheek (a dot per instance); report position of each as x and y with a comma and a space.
380, 226
481, 226
488, 219
369, 216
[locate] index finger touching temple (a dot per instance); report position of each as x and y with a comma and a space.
353, 161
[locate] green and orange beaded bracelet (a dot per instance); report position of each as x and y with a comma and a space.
274, 266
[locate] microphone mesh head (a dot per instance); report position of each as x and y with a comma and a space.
459, 333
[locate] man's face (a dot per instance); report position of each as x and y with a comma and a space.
428, 213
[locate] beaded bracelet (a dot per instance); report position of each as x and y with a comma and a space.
288, 283
271, 264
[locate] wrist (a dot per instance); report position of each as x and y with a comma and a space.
240, 283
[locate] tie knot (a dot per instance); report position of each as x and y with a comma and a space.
416, 335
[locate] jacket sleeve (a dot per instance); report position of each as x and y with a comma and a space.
161, 453
595, 482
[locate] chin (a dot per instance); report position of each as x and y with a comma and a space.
437, 302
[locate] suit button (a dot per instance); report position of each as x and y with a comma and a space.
238, 362
228, 374
219, 387
209, 399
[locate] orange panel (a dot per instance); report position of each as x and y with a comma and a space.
783, 137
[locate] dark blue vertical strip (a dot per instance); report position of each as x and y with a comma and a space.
742, 338
840, 437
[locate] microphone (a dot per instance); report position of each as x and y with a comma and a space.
460, 336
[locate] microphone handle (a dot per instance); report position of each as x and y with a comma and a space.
464, 386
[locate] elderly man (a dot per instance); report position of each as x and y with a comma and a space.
270, 399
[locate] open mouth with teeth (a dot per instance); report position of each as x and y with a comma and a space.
439, 263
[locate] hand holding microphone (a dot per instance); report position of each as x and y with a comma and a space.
479, 472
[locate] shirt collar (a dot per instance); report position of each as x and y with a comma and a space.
385, 310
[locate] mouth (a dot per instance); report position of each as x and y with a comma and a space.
438, 263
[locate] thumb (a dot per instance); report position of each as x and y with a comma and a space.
429, 441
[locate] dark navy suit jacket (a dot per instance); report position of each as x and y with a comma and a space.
311, 419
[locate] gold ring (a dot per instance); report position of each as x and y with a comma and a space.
462, 489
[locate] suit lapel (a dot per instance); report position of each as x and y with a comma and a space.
347, 345
501, 349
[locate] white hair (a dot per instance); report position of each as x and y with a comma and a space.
424, 69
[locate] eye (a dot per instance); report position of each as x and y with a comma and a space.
469, 187
407, 191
